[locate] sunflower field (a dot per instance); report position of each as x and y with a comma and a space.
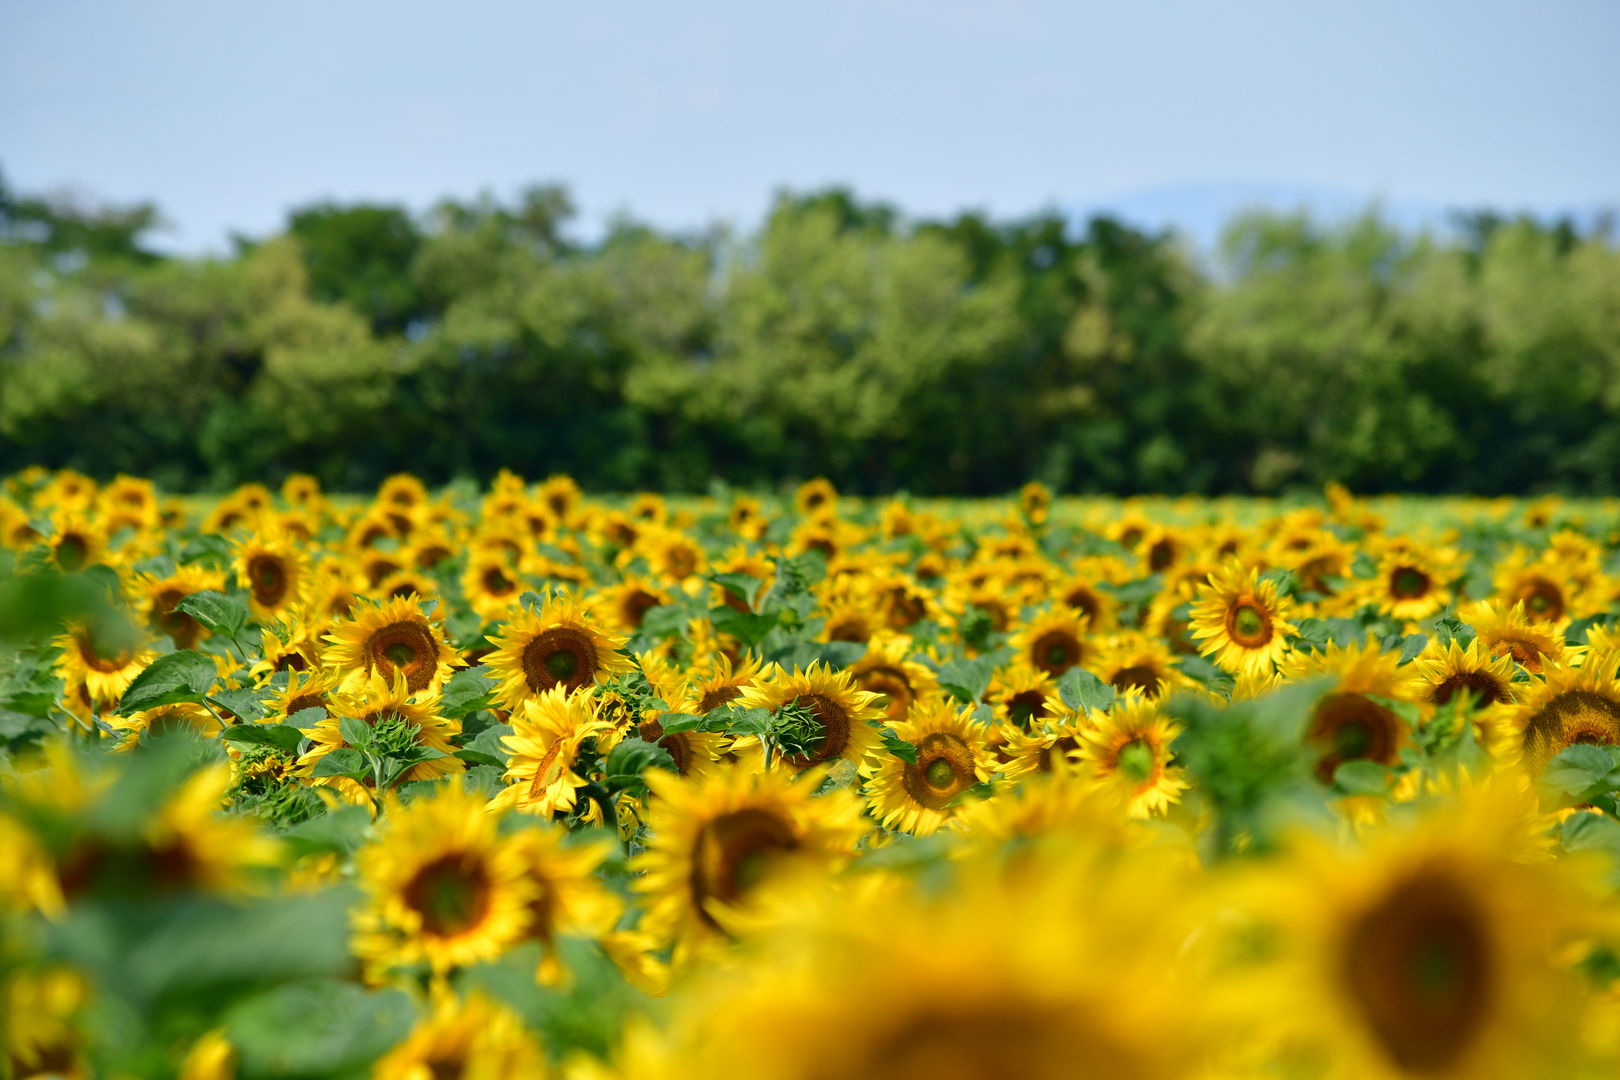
520, 783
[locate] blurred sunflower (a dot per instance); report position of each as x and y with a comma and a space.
157, 597
398, 720
569, 899
716, 840
1023, 696
103, 655
1411, 583
1127, 751
1442, 671
439, 886
1053, 643
1351, 721
1510, 632
885, 669
274, 570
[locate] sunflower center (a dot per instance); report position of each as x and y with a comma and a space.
1544, 601
177, 624
1138, 677
1135, 760
405, 648
718, 696
736, 851
1573, 716
1056, 651
1248, 626
71, 552
559, 656
1409, 583
267, 577
835, 724
497, 583
1025, 707
1482, 688
892, 688
944, 769
451, 894
1419, 966
1353, 727
636, 605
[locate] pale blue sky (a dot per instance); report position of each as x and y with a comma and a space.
228, 113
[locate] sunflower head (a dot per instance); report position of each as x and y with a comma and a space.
274, 570
1241, 621
1572, 705
885, 670
1509, 631
1127, 750
388, 640
919, 796
1054, 642
1351, 722
839, 711
559, 646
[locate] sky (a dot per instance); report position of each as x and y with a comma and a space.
229, 114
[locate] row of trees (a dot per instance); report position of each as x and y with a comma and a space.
842, 339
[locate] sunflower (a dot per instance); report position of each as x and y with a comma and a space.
715, 840
627, 603
747, 518
395, 716
1350, 722
722, 684
75, 543
439, 886
916, 797
1241, 621
1573, 705
843, 711
897, 987
1052, 747
164, 719
1510, 632
475, 1039
1411, 582
1543, 588
885, 670
103, 656
16, 528
560, 646
157, 597
272, 567
816, 499
304, 690
1098, 607
128, 502
490, 585
1432, 951
301, 649
560, 494
569, 899
1023, 696
547, 731
1126, 751
694, 752
1053, 643
848, 618
301, 490
672, 554
44, 1018
407, 584
1443, 670
1136, 662
389, 639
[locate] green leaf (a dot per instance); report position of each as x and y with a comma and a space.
343, 762
1361, 777
967, 680
487, 748
323, 1027
1587, 831
208, 547
278, 736
220, 613
466, 692
746, 627
341, 830
630, 759
356, 732
1582, 771
242, 704
1411, 645
1083, 692
742, 586
1449, 628
673, 722
185, 675
306, 719
745, 721
897, 746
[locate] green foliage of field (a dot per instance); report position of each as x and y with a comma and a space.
840, 339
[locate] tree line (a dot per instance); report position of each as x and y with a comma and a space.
841, 338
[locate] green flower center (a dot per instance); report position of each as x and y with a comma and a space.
1135, 760
1248, 621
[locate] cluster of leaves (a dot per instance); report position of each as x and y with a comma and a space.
959, 356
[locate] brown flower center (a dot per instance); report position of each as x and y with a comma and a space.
894, 691
1143, 677
1248, 624
1543, 600
1055, 651
405, 647
636, 604
714, 698
1420, 967
1352, 727
452, 894
1482, 687
1408, 583
943, 770
735, 851
559, 656
267, 578
177, 624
